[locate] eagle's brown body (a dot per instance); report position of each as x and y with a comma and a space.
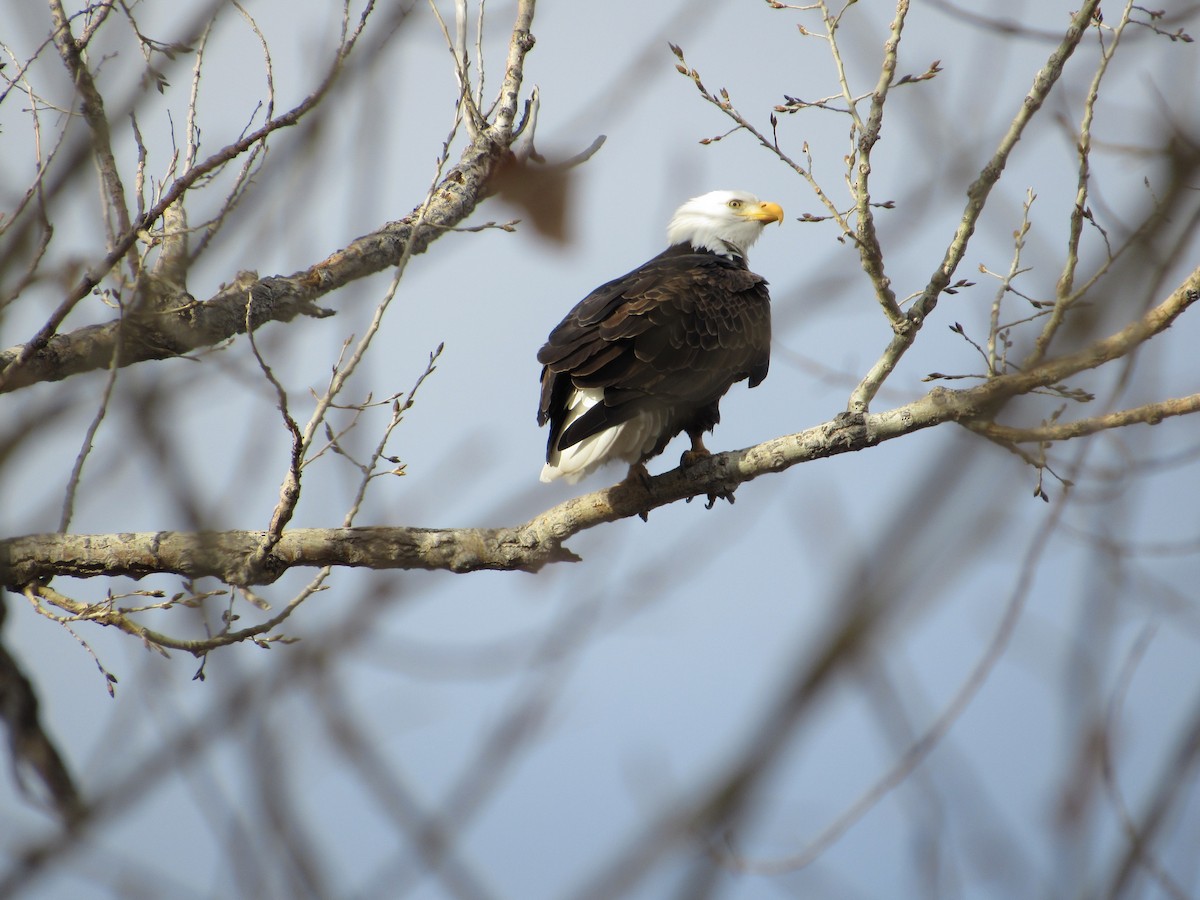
665, 341
650, 354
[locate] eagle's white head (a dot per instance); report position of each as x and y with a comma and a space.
725, 222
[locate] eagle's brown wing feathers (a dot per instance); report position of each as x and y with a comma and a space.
674, 334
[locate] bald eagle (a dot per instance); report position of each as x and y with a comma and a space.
651, 354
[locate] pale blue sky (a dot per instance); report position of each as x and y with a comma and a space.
674, 636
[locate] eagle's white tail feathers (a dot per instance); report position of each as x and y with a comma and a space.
629, 441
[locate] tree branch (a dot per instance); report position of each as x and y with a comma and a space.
977, 195
525, 547
92, 105
1066, 297
866, 236
234, 556
190, 325
1148, 414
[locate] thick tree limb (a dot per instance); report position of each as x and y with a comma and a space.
194, 324
525, 547
528, 547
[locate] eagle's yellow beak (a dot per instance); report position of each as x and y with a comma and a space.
764, 212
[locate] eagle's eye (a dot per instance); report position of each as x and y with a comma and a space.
735, 204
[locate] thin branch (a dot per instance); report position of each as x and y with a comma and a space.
725, 104
977, 195
832, 23
866, 237
68, 507
1066, 281
398, 411
47, 357
997, 365
15, 359
1147, 414
508, 100
92, 106
289, 490
457, 45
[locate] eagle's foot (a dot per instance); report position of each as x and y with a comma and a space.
714, 496
639, 476
848, 419
697, 454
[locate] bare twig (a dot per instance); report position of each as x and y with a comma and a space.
996, 365
289, 490
866, 237
68, 507
977, 195
1066, 282
1146, 414
725, 104
92, 105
